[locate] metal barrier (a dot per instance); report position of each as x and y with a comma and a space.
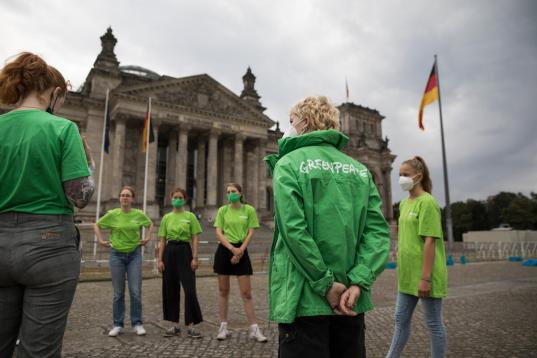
95, 256
484, 251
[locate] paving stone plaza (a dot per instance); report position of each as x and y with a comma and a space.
491, 311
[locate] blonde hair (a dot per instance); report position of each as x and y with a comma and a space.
319, 113
418, 164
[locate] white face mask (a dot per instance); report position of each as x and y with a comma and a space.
406, 183
291, 131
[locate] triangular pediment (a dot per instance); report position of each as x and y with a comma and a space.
201, 93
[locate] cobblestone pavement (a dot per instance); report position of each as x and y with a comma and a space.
491, 311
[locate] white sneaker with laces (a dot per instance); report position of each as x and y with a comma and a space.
255, 333
114, 332
223, 333
139, 330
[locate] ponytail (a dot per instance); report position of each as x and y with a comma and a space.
25, 74
418, 164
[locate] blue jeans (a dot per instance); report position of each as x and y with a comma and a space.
131, 264
433, 317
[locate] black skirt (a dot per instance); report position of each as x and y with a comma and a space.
223, 266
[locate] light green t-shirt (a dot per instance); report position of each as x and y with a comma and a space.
236, 222
420, 218
179, 226
124, 228
38, 152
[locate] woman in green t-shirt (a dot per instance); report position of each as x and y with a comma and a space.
235, 224
421, 259
178, 261
44, 174
125, 258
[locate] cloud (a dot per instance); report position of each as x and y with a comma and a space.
487, 60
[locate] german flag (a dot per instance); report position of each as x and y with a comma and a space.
430, 95
148, 136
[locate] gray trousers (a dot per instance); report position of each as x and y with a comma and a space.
39, 269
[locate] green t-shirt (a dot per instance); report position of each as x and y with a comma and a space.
179, 226
236, 222
420, 218
124, 228
38, 152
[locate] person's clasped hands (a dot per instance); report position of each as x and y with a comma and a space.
343, 299
237, 254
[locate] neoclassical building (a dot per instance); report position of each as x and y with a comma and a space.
205, 136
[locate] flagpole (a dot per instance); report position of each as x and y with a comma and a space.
98, 210
146, 140
449, 223
347, 89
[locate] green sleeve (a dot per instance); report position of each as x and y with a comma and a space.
162, 228
429, 219
107, 220
146, 221
291, 221
73, 158
219, 221
253, 222
374, 247
195, 227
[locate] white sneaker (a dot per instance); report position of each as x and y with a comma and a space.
139, 330
255, 333
223, 333
115, 331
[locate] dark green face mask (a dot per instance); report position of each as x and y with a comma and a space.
177, 203
233, 197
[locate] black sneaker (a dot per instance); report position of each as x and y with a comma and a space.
174, 331
192, 333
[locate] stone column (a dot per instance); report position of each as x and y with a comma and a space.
152, 165
182, 158
388, 194
262, 176
238, 159
93, 133
118, 156
200, 173
212, 170
171, 166
226, 167
251, 184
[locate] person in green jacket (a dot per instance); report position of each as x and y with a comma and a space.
330, 241
421, 259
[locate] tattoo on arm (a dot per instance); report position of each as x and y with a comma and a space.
79, 191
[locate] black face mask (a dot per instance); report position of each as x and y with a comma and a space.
50, 108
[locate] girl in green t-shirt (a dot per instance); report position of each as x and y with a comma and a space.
235, 224
178, 261
125, 257
421, 259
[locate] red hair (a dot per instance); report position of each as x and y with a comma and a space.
25, 74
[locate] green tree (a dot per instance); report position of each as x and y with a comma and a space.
468, 216
495, 206
520, 213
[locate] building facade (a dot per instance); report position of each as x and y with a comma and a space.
204, 136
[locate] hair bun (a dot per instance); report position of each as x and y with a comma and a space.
28, 72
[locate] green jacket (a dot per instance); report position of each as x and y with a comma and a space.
328, 226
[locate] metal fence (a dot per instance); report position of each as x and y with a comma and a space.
484, 251
94, 256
